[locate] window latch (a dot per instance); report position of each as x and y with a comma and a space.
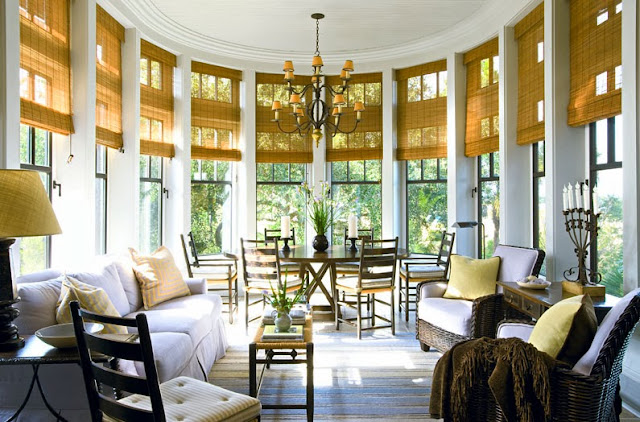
58, 186
474, 191
166, 192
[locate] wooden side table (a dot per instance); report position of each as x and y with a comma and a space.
282, 353
535, 302
35, 353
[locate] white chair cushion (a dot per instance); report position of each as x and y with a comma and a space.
352, 283
190, 400
423, 271
453, 315
213, 273
348, 267
515, 329
292, 281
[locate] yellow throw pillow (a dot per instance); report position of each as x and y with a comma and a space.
566, 330
472, 278
93, 299
158, 276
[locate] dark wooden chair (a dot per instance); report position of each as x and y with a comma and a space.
376, 274
220, 272
415, 270
144, 398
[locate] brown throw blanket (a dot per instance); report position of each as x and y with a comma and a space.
510, 371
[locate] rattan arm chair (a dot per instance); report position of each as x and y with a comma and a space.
220, 272
119, 396
418, 269
441, 322
376, 274
578, 394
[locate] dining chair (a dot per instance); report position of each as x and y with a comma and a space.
417, 269
120, 396
376, 275
220, 272
261, 269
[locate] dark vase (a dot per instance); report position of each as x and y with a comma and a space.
320, 243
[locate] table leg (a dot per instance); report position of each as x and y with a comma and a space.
317, 282
253, 388
36, 380
310, 388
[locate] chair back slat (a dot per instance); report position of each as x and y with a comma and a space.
185, 251
446, 246
272, 234
117, 349
121, 382
363, 234
124, 412
260, 260
378, 260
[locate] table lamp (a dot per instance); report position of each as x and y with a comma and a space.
25, 210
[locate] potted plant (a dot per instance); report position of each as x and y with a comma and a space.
321, 209
282, 304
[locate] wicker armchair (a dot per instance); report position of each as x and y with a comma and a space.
590, 390
441, 322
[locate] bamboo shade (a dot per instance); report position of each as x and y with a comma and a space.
529, 32
596, 58
272, 145
45, 71
156, 103
422, 119
109, 39
482, 101
366, 142
215, 112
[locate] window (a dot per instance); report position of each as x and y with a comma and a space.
150, 129
427, 87
489, 71
426, 204
35, 154
268, 93
211, 217
277, 195
605, 164
151, 191
34, 87
355, 186
101, 199
539, 198
150, 73
489, 202
210, 87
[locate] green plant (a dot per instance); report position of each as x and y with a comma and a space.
319, 207
279, 299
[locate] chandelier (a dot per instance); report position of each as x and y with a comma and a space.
317, 112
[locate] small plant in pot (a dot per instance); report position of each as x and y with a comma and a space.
322, 211
282, 304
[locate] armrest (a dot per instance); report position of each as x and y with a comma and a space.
515, 328
487, 311
430, 289
197, 286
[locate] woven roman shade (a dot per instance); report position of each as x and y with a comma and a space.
422, 111
482, 100
529, 33
45, 72
109, 39
596, 59
366, 142
272, 145
156, 101
215, 112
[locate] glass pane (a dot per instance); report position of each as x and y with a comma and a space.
101, 159
427, 216
540, 51
144, 71
484, 73
443, 169
156, 74
274, 201
33, 254
356, 171
264, 95
373, 95
413, 89
150, 216
618, 135
195, 170
373, 171
42, 147
25, 145
195, 85
490, 212
208, 170
496, 164
601, 83
429, 86
224, 171
263, 171
156, 167
281, 172
540, 157
356, 93
145, 128
24, 84
413, 170
208, 87
144, 166
496, 125
430, 169
496, 69
101, 215
365, 201
485, 127
211, 217
41, 91
609, 254
542, 228
442, 83
485, 171
298, 172
601, 141
415, 137
280, 94
224, 90
156, 130
339, 171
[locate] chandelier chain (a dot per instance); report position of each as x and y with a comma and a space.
317, 37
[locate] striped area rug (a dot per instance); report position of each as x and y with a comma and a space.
379, 377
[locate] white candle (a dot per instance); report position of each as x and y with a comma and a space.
353, 227
594, 197
285, 229
565, 201
578, 195
585, 198
570, 196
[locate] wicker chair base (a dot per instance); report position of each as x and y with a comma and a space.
436, 337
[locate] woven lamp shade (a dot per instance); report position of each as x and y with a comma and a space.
366, 142
529, 33
45, 71
596, 57
215, 112
422, 120
156, 104
25, 209
272, 145
109, 38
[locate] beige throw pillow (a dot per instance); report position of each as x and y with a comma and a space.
472, 278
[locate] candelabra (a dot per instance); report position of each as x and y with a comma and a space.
582, 226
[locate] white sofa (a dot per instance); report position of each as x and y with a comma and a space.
187, 333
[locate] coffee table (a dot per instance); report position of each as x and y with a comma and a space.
282, 353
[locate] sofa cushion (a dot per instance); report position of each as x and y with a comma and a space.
159, 277
106, 277
44, 275
472, 278
37, 305
124, 266
171, 352
453, 315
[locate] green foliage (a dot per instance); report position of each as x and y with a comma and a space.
33, 254
208, 202
362, 200
427, 215
276, 200
610, 254
319, 207
279, 299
